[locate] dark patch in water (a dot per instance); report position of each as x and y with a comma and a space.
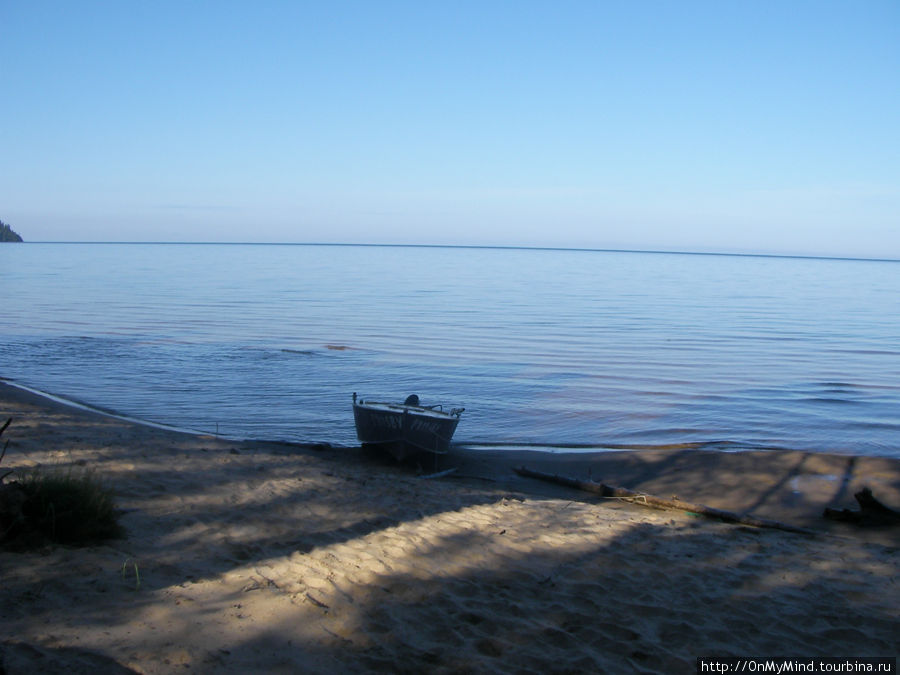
825, 399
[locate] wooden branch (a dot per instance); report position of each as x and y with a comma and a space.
659, 503
871, 511
5, 446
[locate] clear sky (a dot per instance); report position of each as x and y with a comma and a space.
769, 126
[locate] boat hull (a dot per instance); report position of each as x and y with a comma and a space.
404, 430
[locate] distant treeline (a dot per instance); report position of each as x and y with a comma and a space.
7, 234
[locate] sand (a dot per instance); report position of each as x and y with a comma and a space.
253, 557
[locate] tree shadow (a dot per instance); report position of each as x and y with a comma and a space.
21, 657
333, 560
651, 598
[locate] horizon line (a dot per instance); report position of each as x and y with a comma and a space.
801, 256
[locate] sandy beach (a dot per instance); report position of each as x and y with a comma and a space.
255, 557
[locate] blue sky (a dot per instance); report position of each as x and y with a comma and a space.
753, 127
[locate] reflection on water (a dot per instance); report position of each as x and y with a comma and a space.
542, 348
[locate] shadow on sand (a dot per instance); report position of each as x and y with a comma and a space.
287, 559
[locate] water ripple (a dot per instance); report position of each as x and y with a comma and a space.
549, 349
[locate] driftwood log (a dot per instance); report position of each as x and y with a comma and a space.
5, 446
660, 503
871, 512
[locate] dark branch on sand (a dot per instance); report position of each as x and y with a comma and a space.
871, 512
660, 503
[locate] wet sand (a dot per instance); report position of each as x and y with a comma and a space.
244, 556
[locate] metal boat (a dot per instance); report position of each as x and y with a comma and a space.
405, 428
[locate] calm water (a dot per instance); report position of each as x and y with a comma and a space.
551, 348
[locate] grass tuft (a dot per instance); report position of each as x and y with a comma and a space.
69, 506
64, 506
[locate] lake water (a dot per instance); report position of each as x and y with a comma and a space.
543, 348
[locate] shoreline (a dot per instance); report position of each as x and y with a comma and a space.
85, 407
245, 555
586, 449
790, 485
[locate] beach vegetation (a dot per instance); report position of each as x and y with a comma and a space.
7, 233
55, 505
137, 572
69, 506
